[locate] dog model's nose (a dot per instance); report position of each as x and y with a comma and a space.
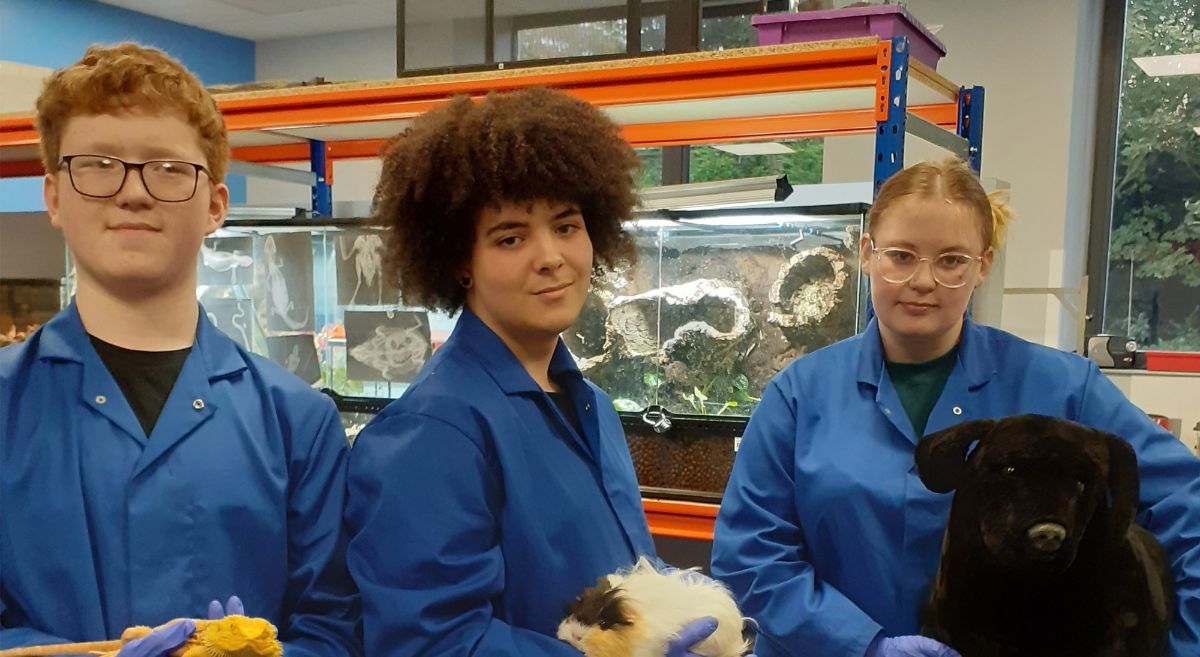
1047, 536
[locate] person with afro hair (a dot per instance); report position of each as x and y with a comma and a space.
499, 486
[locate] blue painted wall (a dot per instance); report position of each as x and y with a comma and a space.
55, 33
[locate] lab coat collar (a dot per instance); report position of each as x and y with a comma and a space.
64, 338
870, 354
501, 363
974, 356
220, 352
213, 356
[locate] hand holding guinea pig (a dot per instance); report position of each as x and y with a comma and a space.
691, 634
641, 612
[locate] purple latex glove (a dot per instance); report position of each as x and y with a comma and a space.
690, 635
909, 646
232, 608
160, 642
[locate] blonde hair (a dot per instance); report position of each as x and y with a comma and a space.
129, 76
952, 180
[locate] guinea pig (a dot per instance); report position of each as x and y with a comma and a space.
638, 611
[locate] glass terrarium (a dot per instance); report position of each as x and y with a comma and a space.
684, 340
26, 304
719, 301
312, 296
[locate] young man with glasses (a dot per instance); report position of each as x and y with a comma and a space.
826, 534
151, 465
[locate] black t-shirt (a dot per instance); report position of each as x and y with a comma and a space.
566, 406
145, 377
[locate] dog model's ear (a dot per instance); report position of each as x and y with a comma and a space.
942, 456
1122, 486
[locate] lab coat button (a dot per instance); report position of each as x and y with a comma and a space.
198, 404
957, 410
100, 399
887, 411
587, 407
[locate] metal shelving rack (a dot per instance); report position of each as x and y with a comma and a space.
818, 89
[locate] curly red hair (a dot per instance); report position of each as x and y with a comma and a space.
126, 77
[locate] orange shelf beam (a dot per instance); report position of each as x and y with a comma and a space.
21, 168
358, 149
650, 80
18, 131
792, 126
765, 128
680, 519
655, 79
854, 64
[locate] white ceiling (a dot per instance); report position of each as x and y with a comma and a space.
260, 20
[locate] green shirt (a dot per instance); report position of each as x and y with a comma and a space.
920, 384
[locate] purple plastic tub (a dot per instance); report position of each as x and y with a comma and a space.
883, 21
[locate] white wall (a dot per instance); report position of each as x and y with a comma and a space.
30, 247
353, 183
1165, 393
21, 84
371, 54
357, 55
1037, 63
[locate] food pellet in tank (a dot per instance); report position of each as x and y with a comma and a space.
683, 463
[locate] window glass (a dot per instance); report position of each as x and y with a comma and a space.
1153, 272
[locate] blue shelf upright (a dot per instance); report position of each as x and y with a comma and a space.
970, 123
322, 192
891, 106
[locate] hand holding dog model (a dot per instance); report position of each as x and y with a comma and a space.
908, 646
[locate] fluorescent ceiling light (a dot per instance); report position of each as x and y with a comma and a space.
264, 213
750, 220
755, 148
651, 223
721, 193
298, 126
1170, 64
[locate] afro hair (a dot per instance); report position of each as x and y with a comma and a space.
516, 147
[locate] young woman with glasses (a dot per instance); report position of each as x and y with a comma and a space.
826, 534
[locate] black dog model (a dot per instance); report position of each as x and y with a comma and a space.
1041, 557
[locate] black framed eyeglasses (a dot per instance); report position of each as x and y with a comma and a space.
103, 176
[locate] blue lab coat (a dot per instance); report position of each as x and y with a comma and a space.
477, 513
826, 534
238, 490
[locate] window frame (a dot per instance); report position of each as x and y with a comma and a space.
1104, 164
1114, 25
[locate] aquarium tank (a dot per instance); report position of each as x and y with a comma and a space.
718, 302
684, 340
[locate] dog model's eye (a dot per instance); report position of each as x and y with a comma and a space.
1079, 486
1010, 470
